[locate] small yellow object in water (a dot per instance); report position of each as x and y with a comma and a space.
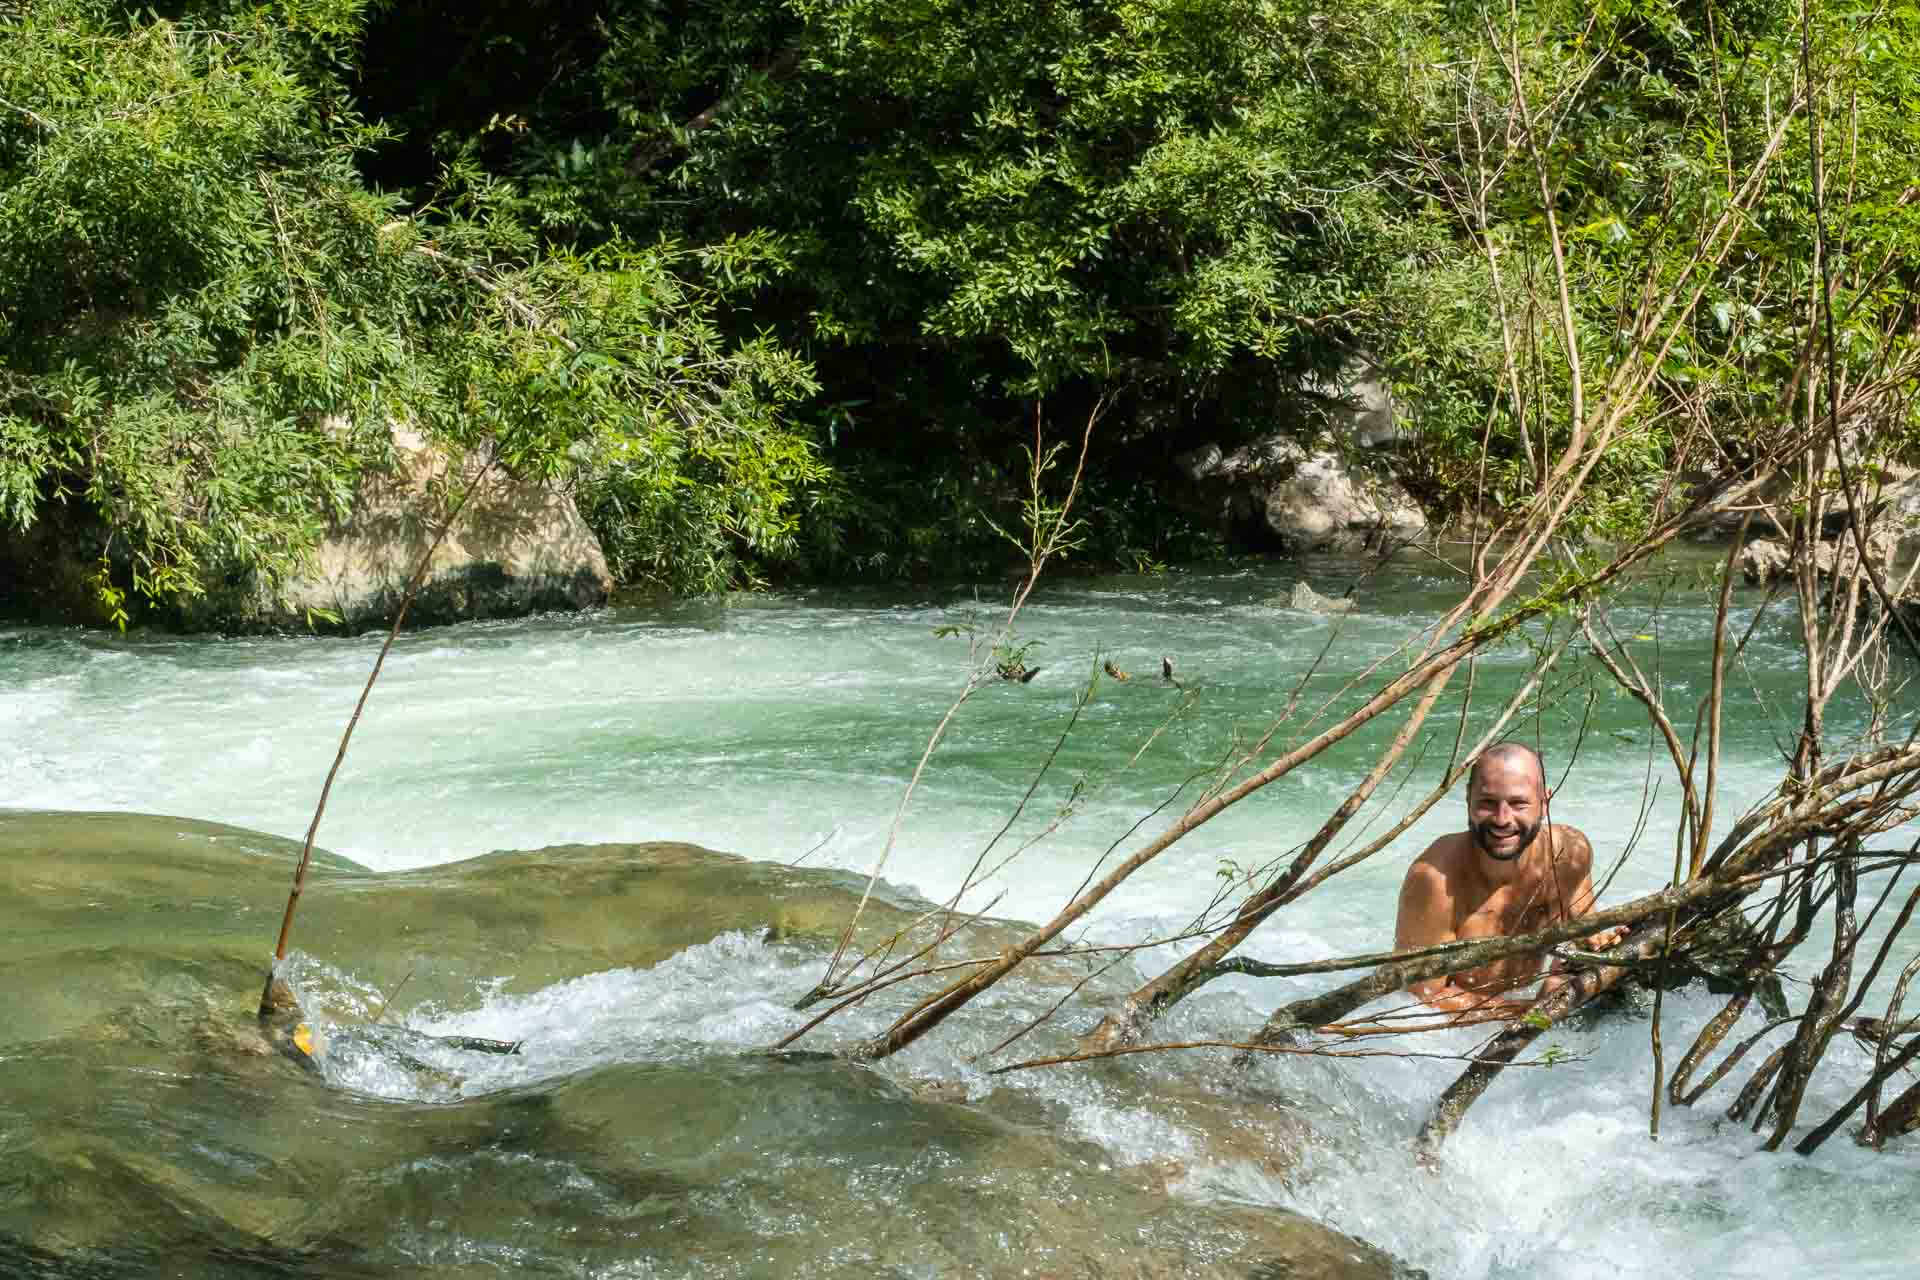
303, 1039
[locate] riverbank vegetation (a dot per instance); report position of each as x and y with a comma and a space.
774, 288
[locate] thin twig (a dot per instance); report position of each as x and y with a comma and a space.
275, 997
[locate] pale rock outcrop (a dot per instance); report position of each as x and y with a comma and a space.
1903, 511
1328, 503
1340, 495
1279, 493
518, 547
1893, 548
1764, 559
1895, 506
1837, 560
1893, 543
1357, 405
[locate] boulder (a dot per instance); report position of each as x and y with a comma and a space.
1357, 406
1903, 511
1278, 493
145, 1118
1307, 600
1764, 559
1894, 506
1328, 504
1894, 548
518, 547
1222, 488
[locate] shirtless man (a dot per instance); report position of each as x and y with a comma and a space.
1512, 871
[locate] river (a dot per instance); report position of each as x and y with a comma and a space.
783, 728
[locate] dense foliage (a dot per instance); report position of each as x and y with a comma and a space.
208, 320
1184, 208
778, 284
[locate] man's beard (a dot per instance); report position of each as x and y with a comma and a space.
1483, 837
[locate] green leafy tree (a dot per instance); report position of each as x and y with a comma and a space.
208, 320
1182, 207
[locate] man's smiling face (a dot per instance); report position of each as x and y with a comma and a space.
1506, 802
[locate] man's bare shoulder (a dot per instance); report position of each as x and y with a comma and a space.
1424, 879
1433, 873
1444, 856
1572, 849
1426, 910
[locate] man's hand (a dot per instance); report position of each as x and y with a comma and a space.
1461, 1010
1604, 940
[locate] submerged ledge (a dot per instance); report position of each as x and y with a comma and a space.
146, 1118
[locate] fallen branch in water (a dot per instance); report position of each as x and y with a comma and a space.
1541, 1018
1052, 529
1213, 960
1395, 973
1805, 840
1283, 1050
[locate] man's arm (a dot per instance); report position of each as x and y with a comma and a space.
1576, 867
1582, 900
1425, 919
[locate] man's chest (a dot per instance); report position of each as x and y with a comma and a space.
1507, 910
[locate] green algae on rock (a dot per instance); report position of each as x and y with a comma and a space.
145, 1117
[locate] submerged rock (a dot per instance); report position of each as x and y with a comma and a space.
110, 899
637, 1132
1307, 600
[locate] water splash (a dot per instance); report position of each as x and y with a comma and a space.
791, 723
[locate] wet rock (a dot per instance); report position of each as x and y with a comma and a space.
1837, 561
1893, 523
151, 912
1893, 549
940, 1091
1763, 560
1307, 600
1237, 1125
139, 1128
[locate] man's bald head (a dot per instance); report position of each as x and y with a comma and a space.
1508, 753
1507, 800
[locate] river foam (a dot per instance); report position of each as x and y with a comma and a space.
782, 728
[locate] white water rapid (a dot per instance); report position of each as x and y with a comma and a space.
783, 727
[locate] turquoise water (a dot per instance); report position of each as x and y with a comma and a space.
785, 727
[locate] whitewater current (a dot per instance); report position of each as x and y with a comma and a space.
786, 728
